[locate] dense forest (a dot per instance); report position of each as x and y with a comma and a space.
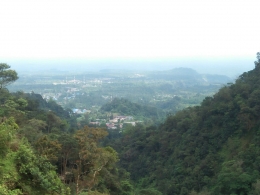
212, 148
126, 107
208, 149
44, 152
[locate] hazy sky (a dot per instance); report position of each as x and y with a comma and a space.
127, 29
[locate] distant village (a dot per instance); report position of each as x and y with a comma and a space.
73, 87
117, 122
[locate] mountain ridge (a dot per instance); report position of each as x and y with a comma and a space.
208, 149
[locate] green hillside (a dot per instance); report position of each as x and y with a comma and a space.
43, 151
213, 148
126, 107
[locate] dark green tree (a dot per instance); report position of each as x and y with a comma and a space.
6, 76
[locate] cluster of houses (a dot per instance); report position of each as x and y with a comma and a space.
53, 96
118, 122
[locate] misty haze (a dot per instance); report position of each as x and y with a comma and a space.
231, 67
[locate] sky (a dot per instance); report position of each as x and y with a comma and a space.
33, 31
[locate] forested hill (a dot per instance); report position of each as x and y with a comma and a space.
213, 148
126, 107
188, 75
43, 151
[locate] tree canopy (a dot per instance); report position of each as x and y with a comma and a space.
213, 148
209, 149
7, 76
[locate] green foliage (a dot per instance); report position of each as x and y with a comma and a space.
256, 188
21, 170
57, 109
232, 179
6, 76
33, 130
5, 191
127, 187
215, 145
213, 148
203, 192
91, 159
37, 174
27, 170
8, 128
149, 191
125, 107
48, 148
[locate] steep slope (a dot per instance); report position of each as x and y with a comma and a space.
42, 153
212, 148
21, 170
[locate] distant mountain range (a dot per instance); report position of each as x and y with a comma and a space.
188, 74
226, 66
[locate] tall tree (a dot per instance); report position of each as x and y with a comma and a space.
6, 76
92, 158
